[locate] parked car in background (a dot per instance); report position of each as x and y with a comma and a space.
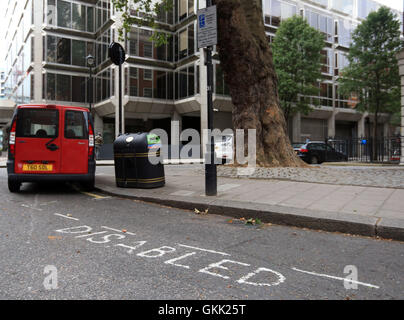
395, 155
319, 152
297, 146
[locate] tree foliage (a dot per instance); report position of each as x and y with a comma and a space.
372, 74
297, 59
142, 13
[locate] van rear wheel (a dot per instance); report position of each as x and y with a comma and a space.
14, 186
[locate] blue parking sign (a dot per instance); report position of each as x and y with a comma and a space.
202, 22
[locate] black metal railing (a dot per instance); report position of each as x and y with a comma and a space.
387, 150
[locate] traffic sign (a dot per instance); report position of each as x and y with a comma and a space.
116, 53
207, 27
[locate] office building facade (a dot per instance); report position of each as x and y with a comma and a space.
47, 42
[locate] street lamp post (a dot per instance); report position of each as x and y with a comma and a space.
91, 64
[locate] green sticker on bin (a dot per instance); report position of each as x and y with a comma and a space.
153, 141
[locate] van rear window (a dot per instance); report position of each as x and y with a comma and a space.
75, 125
37, 123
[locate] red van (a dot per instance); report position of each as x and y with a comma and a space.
51, 143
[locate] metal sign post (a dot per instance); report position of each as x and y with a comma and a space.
117, 56
207, 38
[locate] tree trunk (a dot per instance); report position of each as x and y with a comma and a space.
246, 59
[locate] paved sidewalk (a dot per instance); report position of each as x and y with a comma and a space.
362, 210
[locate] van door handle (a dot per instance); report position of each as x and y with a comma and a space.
52, 147
81, 143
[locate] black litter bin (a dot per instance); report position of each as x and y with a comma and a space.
132, 166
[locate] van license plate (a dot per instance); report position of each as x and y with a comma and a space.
37, 167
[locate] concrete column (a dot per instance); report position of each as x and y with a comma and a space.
331, 125
400, 58
176, 128
361, 126
297, 127
98, 124
203, 80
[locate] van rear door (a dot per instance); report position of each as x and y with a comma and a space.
37, 143
74, 142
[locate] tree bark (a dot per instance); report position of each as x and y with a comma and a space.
246, 58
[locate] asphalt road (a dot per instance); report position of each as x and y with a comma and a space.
60, 243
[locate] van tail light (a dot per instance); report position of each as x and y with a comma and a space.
90, 140
12, 138
304, 150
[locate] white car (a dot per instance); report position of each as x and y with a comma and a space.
224, 148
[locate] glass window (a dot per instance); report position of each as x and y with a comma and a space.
191, 81
183, 47
162, 52
183, 78
75, 125
275, 13
148, 50
148, 92
191, 39
106, 85
146, 86
63, 51
64, 14
79, 89
79, 17
345, 6
190, 7
147, 74
50, 86
160, 84
79, 53
98, 90
145, 45
50, 49
133, 80
90, 19
170, 85
183, 9
63, 87
133, 43
39, 123
51, 14
170, 49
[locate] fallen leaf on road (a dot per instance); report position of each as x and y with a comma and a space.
54, 237
201, 212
